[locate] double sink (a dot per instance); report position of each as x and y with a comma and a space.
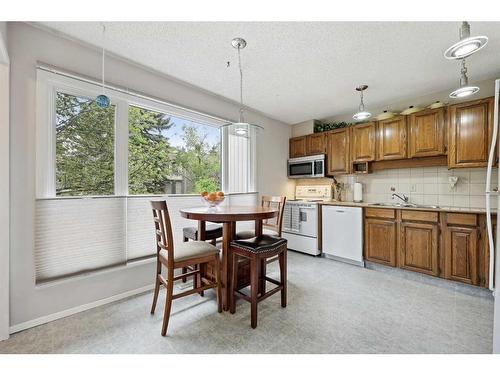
399, 205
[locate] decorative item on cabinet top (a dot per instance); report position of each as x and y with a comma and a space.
411, 109
320, 127
436, 104
385, 115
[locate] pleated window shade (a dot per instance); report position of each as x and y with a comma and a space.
237, 164
75, 236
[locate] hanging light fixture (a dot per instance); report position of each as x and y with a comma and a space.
241, 128
361, 114
465, 89
467, 45
102, 100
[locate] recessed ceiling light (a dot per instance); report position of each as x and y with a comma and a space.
361, 114
467, 45
465, 89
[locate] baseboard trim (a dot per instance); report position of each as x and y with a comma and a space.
77, 309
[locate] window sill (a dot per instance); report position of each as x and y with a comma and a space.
133, 196
89, 274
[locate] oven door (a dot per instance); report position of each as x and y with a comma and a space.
308, 221
300, 169
301, 219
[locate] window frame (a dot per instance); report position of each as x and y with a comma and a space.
49, 83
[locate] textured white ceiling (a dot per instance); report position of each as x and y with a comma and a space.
296, 71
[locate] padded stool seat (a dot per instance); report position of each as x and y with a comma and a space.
244, 234
261, 244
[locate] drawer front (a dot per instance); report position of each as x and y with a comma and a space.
386, 213
429, 216
461, 219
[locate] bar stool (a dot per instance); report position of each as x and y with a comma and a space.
258, 250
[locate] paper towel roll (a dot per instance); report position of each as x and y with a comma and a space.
358, 192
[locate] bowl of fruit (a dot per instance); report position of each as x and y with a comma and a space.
212, 199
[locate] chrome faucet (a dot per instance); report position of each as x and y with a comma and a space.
404, 198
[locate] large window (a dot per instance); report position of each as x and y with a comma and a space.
171, 155
113, 162
85, 139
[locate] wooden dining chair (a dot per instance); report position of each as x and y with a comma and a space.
194, 254
271, 226
209, 232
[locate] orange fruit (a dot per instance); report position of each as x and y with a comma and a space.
212, 197
220, 193
204, 194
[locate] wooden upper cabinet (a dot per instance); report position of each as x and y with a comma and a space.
470, 132
461, 254
298, 147
337, 151
363, 142
316, 144
427, 133
419, 247
391, 138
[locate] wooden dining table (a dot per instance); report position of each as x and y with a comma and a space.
228, 216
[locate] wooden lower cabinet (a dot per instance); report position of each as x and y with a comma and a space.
453, 246
461, 254
419, 247
381, 241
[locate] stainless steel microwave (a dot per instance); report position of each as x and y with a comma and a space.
307, 167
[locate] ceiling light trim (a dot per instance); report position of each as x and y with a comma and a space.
474, 44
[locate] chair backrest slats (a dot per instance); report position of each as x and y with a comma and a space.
278, 203
163, 229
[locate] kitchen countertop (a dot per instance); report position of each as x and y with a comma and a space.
440, 209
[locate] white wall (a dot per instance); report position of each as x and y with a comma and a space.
4, 184
29, 45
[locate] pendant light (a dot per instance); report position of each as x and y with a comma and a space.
102, 100
241, 128
361, 114
467, 45
465, 89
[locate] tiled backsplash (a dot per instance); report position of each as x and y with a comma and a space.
426, 186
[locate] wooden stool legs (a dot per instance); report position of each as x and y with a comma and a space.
234, 285
283, 276
257, 279
254, 290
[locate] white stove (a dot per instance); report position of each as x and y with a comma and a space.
300, 218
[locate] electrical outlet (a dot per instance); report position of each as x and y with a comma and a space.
413, 188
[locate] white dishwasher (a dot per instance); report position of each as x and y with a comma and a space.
342, 233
